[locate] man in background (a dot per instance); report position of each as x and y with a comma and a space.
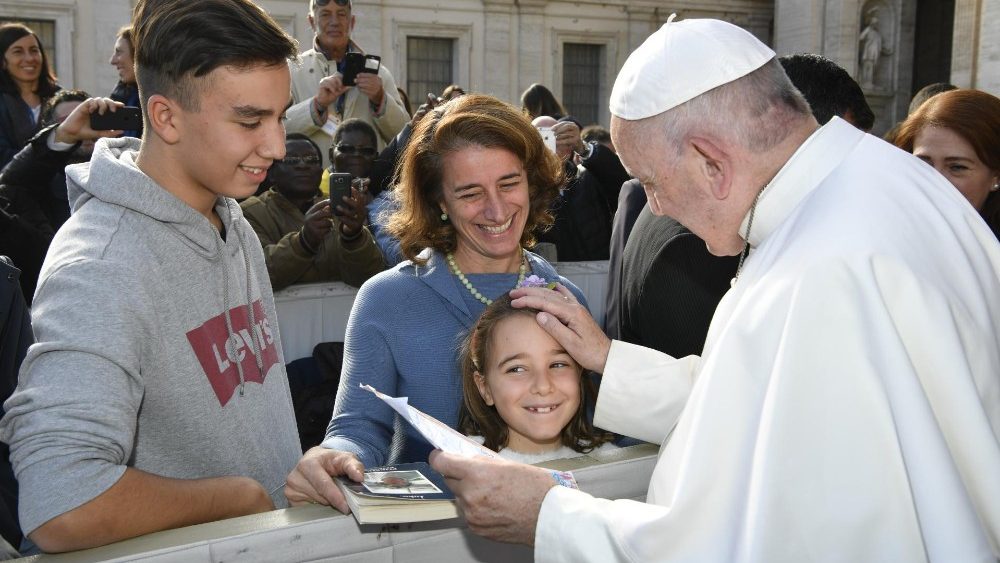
304, 239
321, 101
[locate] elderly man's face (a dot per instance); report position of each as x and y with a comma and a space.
674, 184
333, 25
653, 164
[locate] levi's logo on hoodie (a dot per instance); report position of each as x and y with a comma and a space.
218, 351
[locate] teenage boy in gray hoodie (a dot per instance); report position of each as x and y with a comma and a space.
156, 394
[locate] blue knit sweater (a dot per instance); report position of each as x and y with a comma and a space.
402, 338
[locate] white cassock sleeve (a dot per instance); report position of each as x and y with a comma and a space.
844, 413
643, 391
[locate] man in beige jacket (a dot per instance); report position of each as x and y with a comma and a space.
320, 99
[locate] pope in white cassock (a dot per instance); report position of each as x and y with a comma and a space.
847, 405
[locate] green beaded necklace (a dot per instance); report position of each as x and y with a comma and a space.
522, 272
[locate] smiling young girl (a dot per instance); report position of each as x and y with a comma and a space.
523, 395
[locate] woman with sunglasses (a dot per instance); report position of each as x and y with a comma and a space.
476, 183
304, 240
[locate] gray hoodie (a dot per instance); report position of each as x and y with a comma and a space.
145, 355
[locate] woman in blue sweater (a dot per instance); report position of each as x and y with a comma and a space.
476, 184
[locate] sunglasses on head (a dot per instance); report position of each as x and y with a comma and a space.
337, 2
351, 149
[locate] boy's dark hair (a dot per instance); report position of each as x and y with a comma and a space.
11, 33
476, 418
828, 89
47, 116
176, 41
355, 124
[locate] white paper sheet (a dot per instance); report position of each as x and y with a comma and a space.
439, 434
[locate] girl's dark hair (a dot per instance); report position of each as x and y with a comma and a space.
467, 121
9, 34
476, 418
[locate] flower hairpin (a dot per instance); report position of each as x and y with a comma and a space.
535, 281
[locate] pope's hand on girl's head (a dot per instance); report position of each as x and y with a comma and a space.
568, 322
311, 482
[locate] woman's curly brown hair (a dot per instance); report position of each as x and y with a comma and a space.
470, 120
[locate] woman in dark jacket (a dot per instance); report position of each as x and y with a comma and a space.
25, 84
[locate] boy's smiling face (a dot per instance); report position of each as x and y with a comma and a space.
225, 146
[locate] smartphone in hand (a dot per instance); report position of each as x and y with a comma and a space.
356, 63
340, 186
548, 137
126, 118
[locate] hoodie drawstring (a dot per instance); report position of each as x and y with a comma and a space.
255, 333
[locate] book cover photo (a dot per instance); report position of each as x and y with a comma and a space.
410, 492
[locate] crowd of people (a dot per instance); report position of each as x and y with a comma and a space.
802, 315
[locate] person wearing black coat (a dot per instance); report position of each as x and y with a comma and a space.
631, 200
33, 200
661, 253
22, 92
585, 207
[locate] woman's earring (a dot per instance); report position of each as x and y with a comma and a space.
444, 217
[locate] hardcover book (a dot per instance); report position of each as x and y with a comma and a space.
408, 492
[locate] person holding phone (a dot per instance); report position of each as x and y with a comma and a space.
322, 93
33, 199
306, 239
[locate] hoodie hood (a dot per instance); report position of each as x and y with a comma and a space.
113, 177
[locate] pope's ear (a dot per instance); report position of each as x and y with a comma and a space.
484, 389
164, 118
714, 166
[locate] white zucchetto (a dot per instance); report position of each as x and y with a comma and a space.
682, 60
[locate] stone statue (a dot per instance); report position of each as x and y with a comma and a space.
871, 50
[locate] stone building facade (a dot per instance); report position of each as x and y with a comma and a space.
576, 47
